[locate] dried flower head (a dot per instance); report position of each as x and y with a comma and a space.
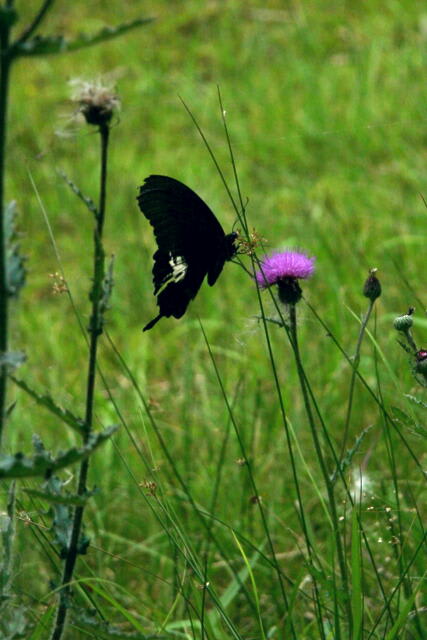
248, 246
97, 101
59, 284
285, 268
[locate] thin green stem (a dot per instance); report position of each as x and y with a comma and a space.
320, 457
356, 360
95, 330
5, 63
38, 18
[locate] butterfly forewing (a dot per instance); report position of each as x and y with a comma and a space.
191, 243
177, 214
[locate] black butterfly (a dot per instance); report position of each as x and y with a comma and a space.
191, 243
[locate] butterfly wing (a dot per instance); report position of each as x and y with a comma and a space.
190, 242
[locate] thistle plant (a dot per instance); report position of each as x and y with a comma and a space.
28, 43
97, 104
284, 270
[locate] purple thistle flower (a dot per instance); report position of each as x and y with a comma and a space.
285, 268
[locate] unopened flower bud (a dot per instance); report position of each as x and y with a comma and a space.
372, 286
405, 322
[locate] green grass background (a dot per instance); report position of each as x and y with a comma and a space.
326, 104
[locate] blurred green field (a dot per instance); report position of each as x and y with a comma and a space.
326, 105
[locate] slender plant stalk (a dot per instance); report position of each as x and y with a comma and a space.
319, 453
5, 62
38, 19
95, 330
356, 361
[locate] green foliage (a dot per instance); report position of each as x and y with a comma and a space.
66, 499
13, 616
75, 189
12, 359
346, 462
14, 261
46, 401
13, 622
325, 114
7, 531
43, 462
89, 622
47, 45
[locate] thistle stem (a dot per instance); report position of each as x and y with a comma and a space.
5, 62
320, 457
356, 361
95, 330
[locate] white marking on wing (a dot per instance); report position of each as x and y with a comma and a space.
179, 267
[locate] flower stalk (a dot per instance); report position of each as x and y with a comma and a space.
95, 329
319, 453
372, 291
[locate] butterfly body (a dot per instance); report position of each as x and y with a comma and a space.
191, 243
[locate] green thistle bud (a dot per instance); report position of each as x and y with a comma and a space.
372, 286
405, 322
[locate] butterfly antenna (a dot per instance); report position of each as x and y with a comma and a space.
151, 324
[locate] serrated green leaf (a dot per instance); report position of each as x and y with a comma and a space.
41, 45
62, 524
21, 466
107, 289
416, 401
75, 189
62, 527
347, 460
408, 421
15, 270
67, 499
403, 417
12, 359
13, 622
104, 630
7, 532
83, 617
47, 401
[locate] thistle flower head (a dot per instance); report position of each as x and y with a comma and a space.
285, 268
97, 101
